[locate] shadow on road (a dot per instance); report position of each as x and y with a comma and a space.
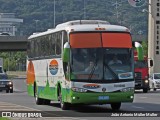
88, 108
150, 91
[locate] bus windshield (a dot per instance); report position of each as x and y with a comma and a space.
100, 64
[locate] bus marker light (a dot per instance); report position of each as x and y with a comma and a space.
100, 29
74, 97
131, 97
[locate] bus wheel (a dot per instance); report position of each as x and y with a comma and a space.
38, 100
115, 106
64, 105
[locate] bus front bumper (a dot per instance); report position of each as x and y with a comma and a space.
101, 98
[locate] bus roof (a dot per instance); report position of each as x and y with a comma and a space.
83, 25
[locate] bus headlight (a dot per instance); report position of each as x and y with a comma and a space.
75, 89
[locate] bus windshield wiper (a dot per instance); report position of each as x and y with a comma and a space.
110, 69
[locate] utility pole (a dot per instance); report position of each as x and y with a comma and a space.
154, 35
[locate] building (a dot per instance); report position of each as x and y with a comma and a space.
154, 35
8, 23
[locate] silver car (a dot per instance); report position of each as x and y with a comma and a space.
154, 81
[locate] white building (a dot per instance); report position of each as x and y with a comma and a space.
154, 35
8, 23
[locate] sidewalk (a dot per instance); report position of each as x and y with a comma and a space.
16, 74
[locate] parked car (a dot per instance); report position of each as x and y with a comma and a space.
5, 83
154, 81
4, 34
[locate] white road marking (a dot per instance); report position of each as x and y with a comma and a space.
137, 107
142, 97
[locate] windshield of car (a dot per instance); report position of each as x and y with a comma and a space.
156, 76
3, 76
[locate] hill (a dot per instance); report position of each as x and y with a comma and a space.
38, 15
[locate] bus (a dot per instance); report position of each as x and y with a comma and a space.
57, 60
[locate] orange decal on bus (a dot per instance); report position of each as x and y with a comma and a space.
116, 40
85, 40
30, 73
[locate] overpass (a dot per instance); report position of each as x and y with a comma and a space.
13, 43
19, 43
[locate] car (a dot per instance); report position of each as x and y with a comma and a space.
4, 34
5, 83
154, 81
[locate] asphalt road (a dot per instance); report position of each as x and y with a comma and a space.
20, 101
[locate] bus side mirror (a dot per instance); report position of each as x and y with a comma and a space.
66, 52
151, 63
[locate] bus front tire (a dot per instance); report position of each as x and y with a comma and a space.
63, 105
115, 106
38, 100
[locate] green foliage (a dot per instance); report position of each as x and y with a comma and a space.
145, 47
43, 10
13, 61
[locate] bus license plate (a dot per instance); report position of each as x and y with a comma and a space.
103, 98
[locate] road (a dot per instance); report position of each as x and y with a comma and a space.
20, 101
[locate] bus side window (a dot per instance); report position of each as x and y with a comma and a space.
43, 47
32, 49
29, 49
65, 38
49, 45
53, 47
58, 43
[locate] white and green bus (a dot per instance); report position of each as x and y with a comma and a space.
58, 59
